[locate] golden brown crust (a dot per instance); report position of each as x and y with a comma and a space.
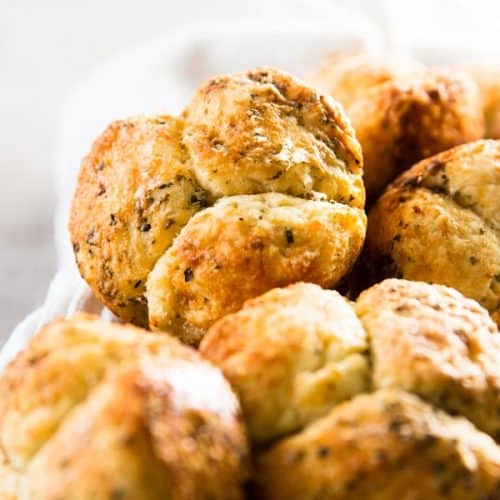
352, 75
440, 222
387, 445
439, 345
244, 246
401, 111
261, 131
290, 355
488, 79
94, 410
134, 194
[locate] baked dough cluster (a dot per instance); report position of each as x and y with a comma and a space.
227, 226
92, 410
401, 110
360, 400
258, 184
440, 222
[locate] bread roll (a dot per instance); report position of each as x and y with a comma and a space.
299, 358
243, 246
263, 130
134, 193
401, 110
259, 133
290, 355
387, 445
432, 341
92, 410
440, 223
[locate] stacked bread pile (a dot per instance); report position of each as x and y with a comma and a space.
366, 400
177, 221
229, 227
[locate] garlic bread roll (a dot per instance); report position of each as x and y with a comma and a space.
92, 410
243, 246
432, 341
401, 110
440, 223
387, 445
264, 130
261, 133
290, 355
134, 194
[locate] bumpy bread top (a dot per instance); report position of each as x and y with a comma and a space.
263, 131
383, 446
251, 133
401, 111
290, 354
134, 194
94, 410
440, 222
243, 246
294, 353
438, 345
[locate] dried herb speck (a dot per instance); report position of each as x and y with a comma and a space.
145, 227
473, 260
188, 274
137, 284
289, 236
396, 425
117, 494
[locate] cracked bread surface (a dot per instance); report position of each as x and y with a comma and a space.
97, 410
401, 110
260, 133
290, 354
434, 342
439, 222
387, 445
